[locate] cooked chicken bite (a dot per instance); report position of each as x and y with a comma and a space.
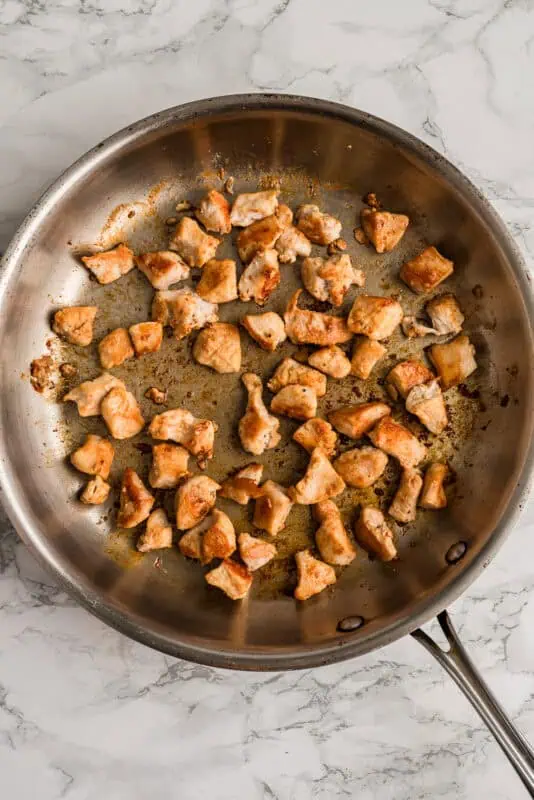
365, 355
75, 324
445, 313
295, 401
219, 347
146, 337
169, 465
356, 420
255, 552
194, 500
433, 495
251, 206
258, 430
397, 441
332, 361
89, 394
266, 329
96, 491
404, 376
313, 327
272, 508
454, 360
313, 575
374, 535
260, 278
330, 280
183, 310
427, 403
290, 372
115, 348
261, 235
361, 467
233, 579
157, 534
320, 228
192, 244
218, 538
412, 328
218, 282
403, 507
316, 433
121, 413
214, 212
94, 457
135, 500
284, 214
383, 229
180, 426
244, 485
374, 317
292, 243
190, 544
321, 481
158, 396
162, 268
426, 271
110, 264
331, 537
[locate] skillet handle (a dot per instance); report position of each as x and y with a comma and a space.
462, 670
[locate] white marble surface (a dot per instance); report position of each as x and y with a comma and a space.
84, 712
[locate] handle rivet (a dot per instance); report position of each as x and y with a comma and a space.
349, 624
456, 552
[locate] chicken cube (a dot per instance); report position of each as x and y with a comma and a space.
427, 403
403, 507
214, 212
218, 539
255, 552
318, 227
158, 396
272, 508
252, 206
260, 278
169, 466
361, 467
259, 236
321, 481
330, 280
316, 433
313, 575
258, 430
244, 485
292, 243
110, 265
233, 579
96, 491
88, 395
219, 347
433, 495
135, 500
162, 268
295, 401
94, 457
404, 376
331, 537
365, 356
190, 544
290, 372
374, 535
115, 348
180, 426
75, 324
383, 229
266, 329
146, 337
397, 441
121, 414
426, 271
192, 244
445, 313
313, 327
454, 360
218, 282
375, 317
183, 310
332, 361
354, 421
194, 500
411, 328
157, 534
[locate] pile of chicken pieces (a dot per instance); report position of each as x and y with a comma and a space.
269, 237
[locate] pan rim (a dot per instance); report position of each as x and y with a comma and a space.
304, 656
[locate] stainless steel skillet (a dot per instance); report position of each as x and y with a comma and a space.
124, 189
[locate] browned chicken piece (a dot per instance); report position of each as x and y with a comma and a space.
218, 539
169, 466
194, 500
320, 228
110, 264
266, 329
403, 507
426, 271
397, 441
404, 376
261, 235
190, 544
260, 278
121, 413
355, 421
331, 537
218, 282
214, 212
232, 578
330, 280
88, 395
96, 491
158, 396
180, 426
157, 534
295, 401
383, 229
252, 206
255, 552
427, 403
313, 327
321, 481
290, 372
445, 313
292, 243
68, 370
219, 347
75, 324
258, 430
192, 244
316, 433
361, 467
42, 373
375, 317
135, 500
115, 348
146, 337
94, 457
412, 328
183, 310
365, 356
272, 508
313, 575
284, 214
433, 495
454, 360
162, 268
332, 361
244, 485
374, 535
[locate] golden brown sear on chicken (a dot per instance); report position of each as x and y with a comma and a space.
331, 537
374, 317
404, 505
218, 537
110, 265
383, 228
404, 376
157, 396
454, 361
313, 327
332, 361
290, 372
313, 575
259, 236
194, 500
95, 492
365, 356
214, 212
75, 324
316, 225
94, 457
426, 271
397, 441
162, 268
231, 578
252, 206
316, 433
433, 495
427, 403
180, 426
243, 486
361, 467
255, 553
295, 401
330, 280
183, 310
135, 500
88, 395
321, 481
157, 534
258, 430
218, 282
169, 465
146, 337
260, 278
121, 413
192, 244
374, 535
272, 508
445, 313
115, 348
266, 329
291, 244
356, 420
219, 347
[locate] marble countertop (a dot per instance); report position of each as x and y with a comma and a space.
108, 718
